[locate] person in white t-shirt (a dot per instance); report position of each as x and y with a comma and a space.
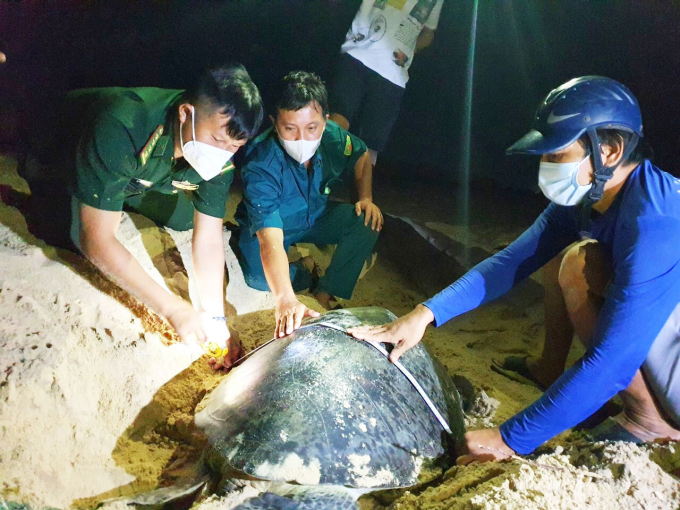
372, 73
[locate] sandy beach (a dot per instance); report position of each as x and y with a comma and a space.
97, 397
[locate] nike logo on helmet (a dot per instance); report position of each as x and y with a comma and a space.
552, 119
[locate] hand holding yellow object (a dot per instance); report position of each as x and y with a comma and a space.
218, 335
213, 349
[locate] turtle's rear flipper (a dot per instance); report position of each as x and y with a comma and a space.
179, 496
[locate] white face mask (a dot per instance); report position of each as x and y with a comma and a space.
207, 160
559, 183
301, 150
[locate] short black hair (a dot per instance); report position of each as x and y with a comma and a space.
230, 89
612, 137
299, 89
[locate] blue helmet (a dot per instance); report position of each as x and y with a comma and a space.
583, 105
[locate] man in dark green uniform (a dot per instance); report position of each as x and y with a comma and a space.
163, 153
288, 174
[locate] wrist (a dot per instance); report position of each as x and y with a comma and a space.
213, 311
503, 439
285, 297
423, 314
172, 306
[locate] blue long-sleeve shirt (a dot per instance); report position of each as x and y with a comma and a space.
641, 231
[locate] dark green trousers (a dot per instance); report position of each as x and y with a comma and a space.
175, 211
339, 225
53, 214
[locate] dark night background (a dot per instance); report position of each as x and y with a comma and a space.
524, 48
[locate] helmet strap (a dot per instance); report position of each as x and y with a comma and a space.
603, 173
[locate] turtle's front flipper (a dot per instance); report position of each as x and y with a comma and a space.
181, 495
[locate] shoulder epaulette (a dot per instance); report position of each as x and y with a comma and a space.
348, 146
228, 167
151, 144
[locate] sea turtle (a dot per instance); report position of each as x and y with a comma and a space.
324, 418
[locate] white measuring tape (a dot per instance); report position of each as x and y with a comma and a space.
440, 418
428, 401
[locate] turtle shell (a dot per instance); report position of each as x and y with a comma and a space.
320, 407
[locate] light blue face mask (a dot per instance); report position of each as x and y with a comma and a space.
559, 183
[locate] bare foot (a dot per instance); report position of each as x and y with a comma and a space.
309, 263
647, 428
542, 371
324, 299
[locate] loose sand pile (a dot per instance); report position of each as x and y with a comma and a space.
97, 398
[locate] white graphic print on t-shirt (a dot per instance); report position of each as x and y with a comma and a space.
383, 34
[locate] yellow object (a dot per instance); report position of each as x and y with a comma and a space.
213, 349
348, 146
397, 4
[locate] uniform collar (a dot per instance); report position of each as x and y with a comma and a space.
170, 121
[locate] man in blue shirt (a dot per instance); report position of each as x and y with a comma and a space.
609, 244
288, 174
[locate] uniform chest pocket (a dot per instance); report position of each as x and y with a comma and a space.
293, 199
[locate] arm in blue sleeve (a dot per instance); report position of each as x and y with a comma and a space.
262, 189
644, 292
554, 230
